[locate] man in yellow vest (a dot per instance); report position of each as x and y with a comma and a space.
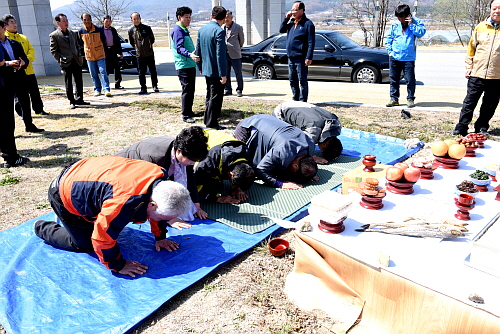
31, 83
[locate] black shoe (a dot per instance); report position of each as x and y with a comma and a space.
82, 103
156, 90
484, 132
142, 92
458, 133
72, 106
19, 162
119, 87
43, 113
226, 93
34, 129
197, 114
188, 120
218, 127
239, 94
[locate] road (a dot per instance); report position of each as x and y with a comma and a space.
436, 69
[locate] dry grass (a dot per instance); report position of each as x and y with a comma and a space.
243, 296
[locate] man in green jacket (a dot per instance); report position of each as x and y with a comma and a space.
185, 61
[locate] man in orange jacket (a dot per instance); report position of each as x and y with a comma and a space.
95, 198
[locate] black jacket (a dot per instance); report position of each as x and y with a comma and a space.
117, 44
142, 39
211, 172
10, 74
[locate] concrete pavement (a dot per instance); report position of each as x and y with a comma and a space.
377, 95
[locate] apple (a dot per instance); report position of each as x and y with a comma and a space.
401, 165
394, 174
412, 174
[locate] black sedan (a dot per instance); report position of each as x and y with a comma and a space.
336, 57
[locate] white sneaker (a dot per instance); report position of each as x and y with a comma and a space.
97, 94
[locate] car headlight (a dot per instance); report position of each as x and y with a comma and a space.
127, 54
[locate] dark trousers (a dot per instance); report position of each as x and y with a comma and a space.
22, 99
75, 232
297, 74
213, 103
7, 125
113, 65
475, 88
395, 68
144, 63
73, 71
236, 65
34, 96
187, 78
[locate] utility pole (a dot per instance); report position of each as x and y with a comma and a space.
375, 24
415, 4
168, 31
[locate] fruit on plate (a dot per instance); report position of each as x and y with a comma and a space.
439, 148
412, 174
394, 174
468, 143
423, 162
370, 188
477, 136
449, 142
401, 165
457, 151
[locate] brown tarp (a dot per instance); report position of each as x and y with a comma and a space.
345, 288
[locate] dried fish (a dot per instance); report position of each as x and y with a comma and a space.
440, 231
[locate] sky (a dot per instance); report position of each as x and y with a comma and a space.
58, 3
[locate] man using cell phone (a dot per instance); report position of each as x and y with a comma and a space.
401, 44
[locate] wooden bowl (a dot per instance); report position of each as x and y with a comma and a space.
278, 246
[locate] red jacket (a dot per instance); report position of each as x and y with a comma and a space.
111, 192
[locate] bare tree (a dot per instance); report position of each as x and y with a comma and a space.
453, 11
476, 11
364, 12
98, 8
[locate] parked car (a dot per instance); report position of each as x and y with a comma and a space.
336, 57
129, 58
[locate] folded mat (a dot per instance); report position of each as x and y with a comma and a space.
263, 202
47, 290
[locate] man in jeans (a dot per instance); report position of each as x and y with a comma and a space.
401, 44
94, 40
142, 39
300, 41
482, 68
185, 61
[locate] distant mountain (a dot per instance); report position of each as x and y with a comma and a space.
153, 9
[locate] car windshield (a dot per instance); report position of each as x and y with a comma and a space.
342, 41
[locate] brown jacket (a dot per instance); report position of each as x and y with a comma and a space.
65, 49
93, 41
483, 53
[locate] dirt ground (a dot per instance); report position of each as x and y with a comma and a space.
245, 295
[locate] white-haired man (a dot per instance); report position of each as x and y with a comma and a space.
95, 198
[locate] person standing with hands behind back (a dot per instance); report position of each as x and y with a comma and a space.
300, 41
185, 61
234, 42
401, 44
211, 48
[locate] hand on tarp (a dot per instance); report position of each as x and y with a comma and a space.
239, 194
319, 160
227, 199
291, 185
133, 267
411, 143
200, 213
179, 223
167, 244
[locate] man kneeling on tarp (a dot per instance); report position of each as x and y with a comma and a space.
227, 159
281, 153
95, 198
321, 125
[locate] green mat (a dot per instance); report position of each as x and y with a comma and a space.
277, 203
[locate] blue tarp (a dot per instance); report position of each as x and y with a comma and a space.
47, 290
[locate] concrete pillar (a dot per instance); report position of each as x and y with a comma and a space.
9, 7
260, 23
243, 17
35, 19
276, 14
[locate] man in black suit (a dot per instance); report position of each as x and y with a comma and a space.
10, 67
64, 46
113, 50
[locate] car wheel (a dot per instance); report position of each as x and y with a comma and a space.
264, 72
366, 74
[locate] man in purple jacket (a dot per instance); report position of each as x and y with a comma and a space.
300, 42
